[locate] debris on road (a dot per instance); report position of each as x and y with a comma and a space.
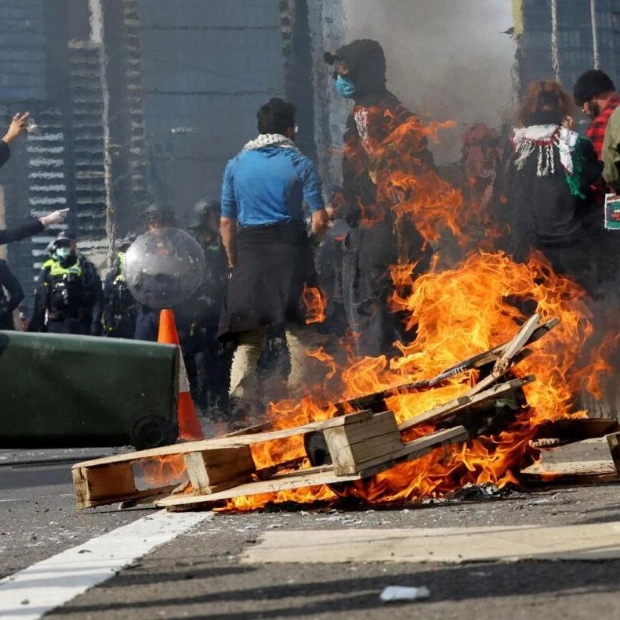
400, 593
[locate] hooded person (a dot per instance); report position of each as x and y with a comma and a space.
382, 138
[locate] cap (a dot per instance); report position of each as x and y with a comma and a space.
591, 84
63, 240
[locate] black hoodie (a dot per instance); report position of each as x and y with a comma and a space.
377, 113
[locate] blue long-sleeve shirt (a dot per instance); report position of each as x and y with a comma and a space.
269, 185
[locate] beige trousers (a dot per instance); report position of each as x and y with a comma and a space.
243, 382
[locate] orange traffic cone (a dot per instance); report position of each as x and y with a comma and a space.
189, 424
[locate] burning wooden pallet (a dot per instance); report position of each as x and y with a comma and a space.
358, 445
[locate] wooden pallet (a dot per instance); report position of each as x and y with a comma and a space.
360, 445
317, 476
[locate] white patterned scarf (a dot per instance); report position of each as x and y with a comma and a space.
270, 139
542, 139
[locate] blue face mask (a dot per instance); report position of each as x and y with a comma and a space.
63, 253
345, 87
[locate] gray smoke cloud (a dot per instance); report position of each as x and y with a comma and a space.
449, 59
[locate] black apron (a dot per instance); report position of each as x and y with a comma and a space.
274, 262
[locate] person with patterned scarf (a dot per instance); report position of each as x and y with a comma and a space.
550, 175
269, 249
383, 141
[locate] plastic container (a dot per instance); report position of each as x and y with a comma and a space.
79, 391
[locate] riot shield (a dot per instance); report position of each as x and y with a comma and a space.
164, 267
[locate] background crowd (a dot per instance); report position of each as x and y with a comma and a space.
274, 234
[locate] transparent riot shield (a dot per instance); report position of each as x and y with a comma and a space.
163, 268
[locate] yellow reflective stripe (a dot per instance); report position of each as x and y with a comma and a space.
56, 269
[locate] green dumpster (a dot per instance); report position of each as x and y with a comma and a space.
78, 391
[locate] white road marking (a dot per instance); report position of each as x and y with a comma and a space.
36, 590
29, 499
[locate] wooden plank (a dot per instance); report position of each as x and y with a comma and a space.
477, 361
318, 476
467, 400
228, 442
613, 441
280, 482
105, 484
232, 465
572, 472
515, 345
352, 445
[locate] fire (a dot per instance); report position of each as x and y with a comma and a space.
457, 313
315, 303
452, 313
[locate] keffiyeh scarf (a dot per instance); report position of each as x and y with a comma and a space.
270, 139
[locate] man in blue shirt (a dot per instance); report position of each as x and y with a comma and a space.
264, 192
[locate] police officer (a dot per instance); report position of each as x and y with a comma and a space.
207, 360
11, 295
156, 217
68, 299
119, 305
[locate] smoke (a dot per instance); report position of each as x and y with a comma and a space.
449, 59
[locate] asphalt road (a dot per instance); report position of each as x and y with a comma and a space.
200, 574
37, 507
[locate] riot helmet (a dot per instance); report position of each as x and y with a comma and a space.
159, 215
126, 241
205, 214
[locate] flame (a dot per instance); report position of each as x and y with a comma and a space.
315, 302
163, 470
470, 305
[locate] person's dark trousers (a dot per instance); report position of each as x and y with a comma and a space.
6, 322
147, 324
125, 329
66, 326
366, 282
212, 361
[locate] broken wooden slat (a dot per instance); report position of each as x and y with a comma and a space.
573, 472
570, 430
613, 441
493, 355
515, 345
512, 351
467, 400
352, 445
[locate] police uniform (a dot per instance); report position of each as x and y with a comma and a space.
207, 359
119, 305
68, 299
